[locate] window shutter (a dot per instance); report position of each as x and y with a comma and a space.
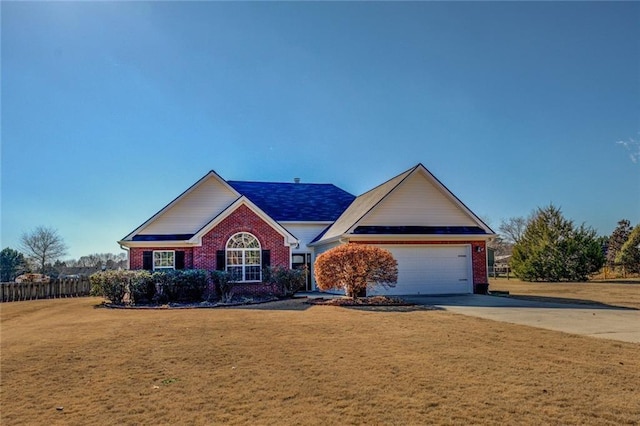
179, 259
147, 260
221, 260
266, 258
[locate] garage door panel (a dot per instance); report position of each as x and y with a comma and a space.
430, 270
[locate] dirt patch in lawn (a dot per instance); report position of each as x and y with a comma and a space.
64, 362
612, 294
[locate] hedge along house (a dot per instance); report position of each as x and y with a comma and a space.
243, 227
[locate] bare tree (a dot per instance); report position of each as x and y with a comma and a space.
512, 229
43, 245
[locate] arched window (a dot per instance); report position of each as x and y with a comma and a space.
243, 257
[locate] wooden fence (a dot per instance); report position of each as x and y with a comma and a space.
64, 287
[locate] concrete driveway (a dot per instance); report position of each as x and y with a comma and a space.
603, 321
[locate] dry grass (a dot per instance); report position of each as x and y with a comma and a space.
610, 293
292, 363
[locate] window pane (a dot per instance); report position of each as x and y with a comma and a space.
235, 272
250, 241
243, 240
252, 257
252, 273
234, 257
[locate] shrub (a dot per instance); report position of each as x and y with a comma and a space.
190, 284
145, 287
225, 284
286, 282
112, 285
186, 285
354, 267
142, 288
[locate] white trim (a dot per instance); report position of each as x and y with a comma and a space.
163, 268
369, 208
244, 251
305, 222
152, 244
416, 237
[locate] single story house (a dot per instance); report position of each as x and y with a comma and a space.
242, 227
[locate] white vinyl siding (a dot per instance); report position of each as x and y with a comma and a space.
304, 232
194, 210
431, 269
417, 202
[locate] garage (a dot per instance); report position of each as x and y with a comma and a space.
434, 269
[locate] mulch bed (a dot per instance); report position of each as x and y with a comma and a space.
361, 301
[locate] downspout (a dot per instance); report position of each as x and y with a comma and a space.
128, 254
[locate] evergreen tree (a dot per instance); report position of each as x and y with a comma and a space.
553, 249
12, 264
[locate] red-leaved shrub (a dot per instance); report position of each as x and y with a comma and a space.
354, 267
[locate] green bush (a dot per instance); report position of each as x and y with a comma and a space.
186, 285
112, 285
145, 287
552, 248
189, 284
286, 282
142, 288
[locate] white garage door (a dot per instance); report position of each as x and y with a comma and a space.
437, 269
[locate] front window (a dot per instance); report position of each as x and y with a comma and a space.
164, 259
244, 257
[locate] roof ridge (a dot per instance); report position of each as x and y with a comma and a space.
282, 183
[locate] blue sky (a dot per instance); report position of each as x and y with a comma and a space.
111, 109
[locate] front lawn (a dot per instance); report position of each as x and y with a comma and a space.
610, 293
67, 362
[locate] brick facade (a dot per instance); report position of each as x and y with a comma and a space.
478, 258
135, 256
242, 219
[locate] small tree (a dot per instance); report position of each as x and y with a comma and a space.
512, 229
354, 267
618, 237
225, 283
12, 264
43, 245
629, 255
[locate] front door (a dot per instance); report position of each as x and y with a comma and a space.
303, 261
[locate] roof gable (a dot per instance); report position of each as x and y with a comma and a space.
360, 206
191, 210
413, 200
418, 201
296, 202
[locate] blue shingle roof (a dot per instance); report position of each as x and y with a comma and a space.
296, 201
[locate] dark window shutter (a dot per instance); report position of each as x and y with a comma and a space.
147, 260
179, 260
266, 258
221, 260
